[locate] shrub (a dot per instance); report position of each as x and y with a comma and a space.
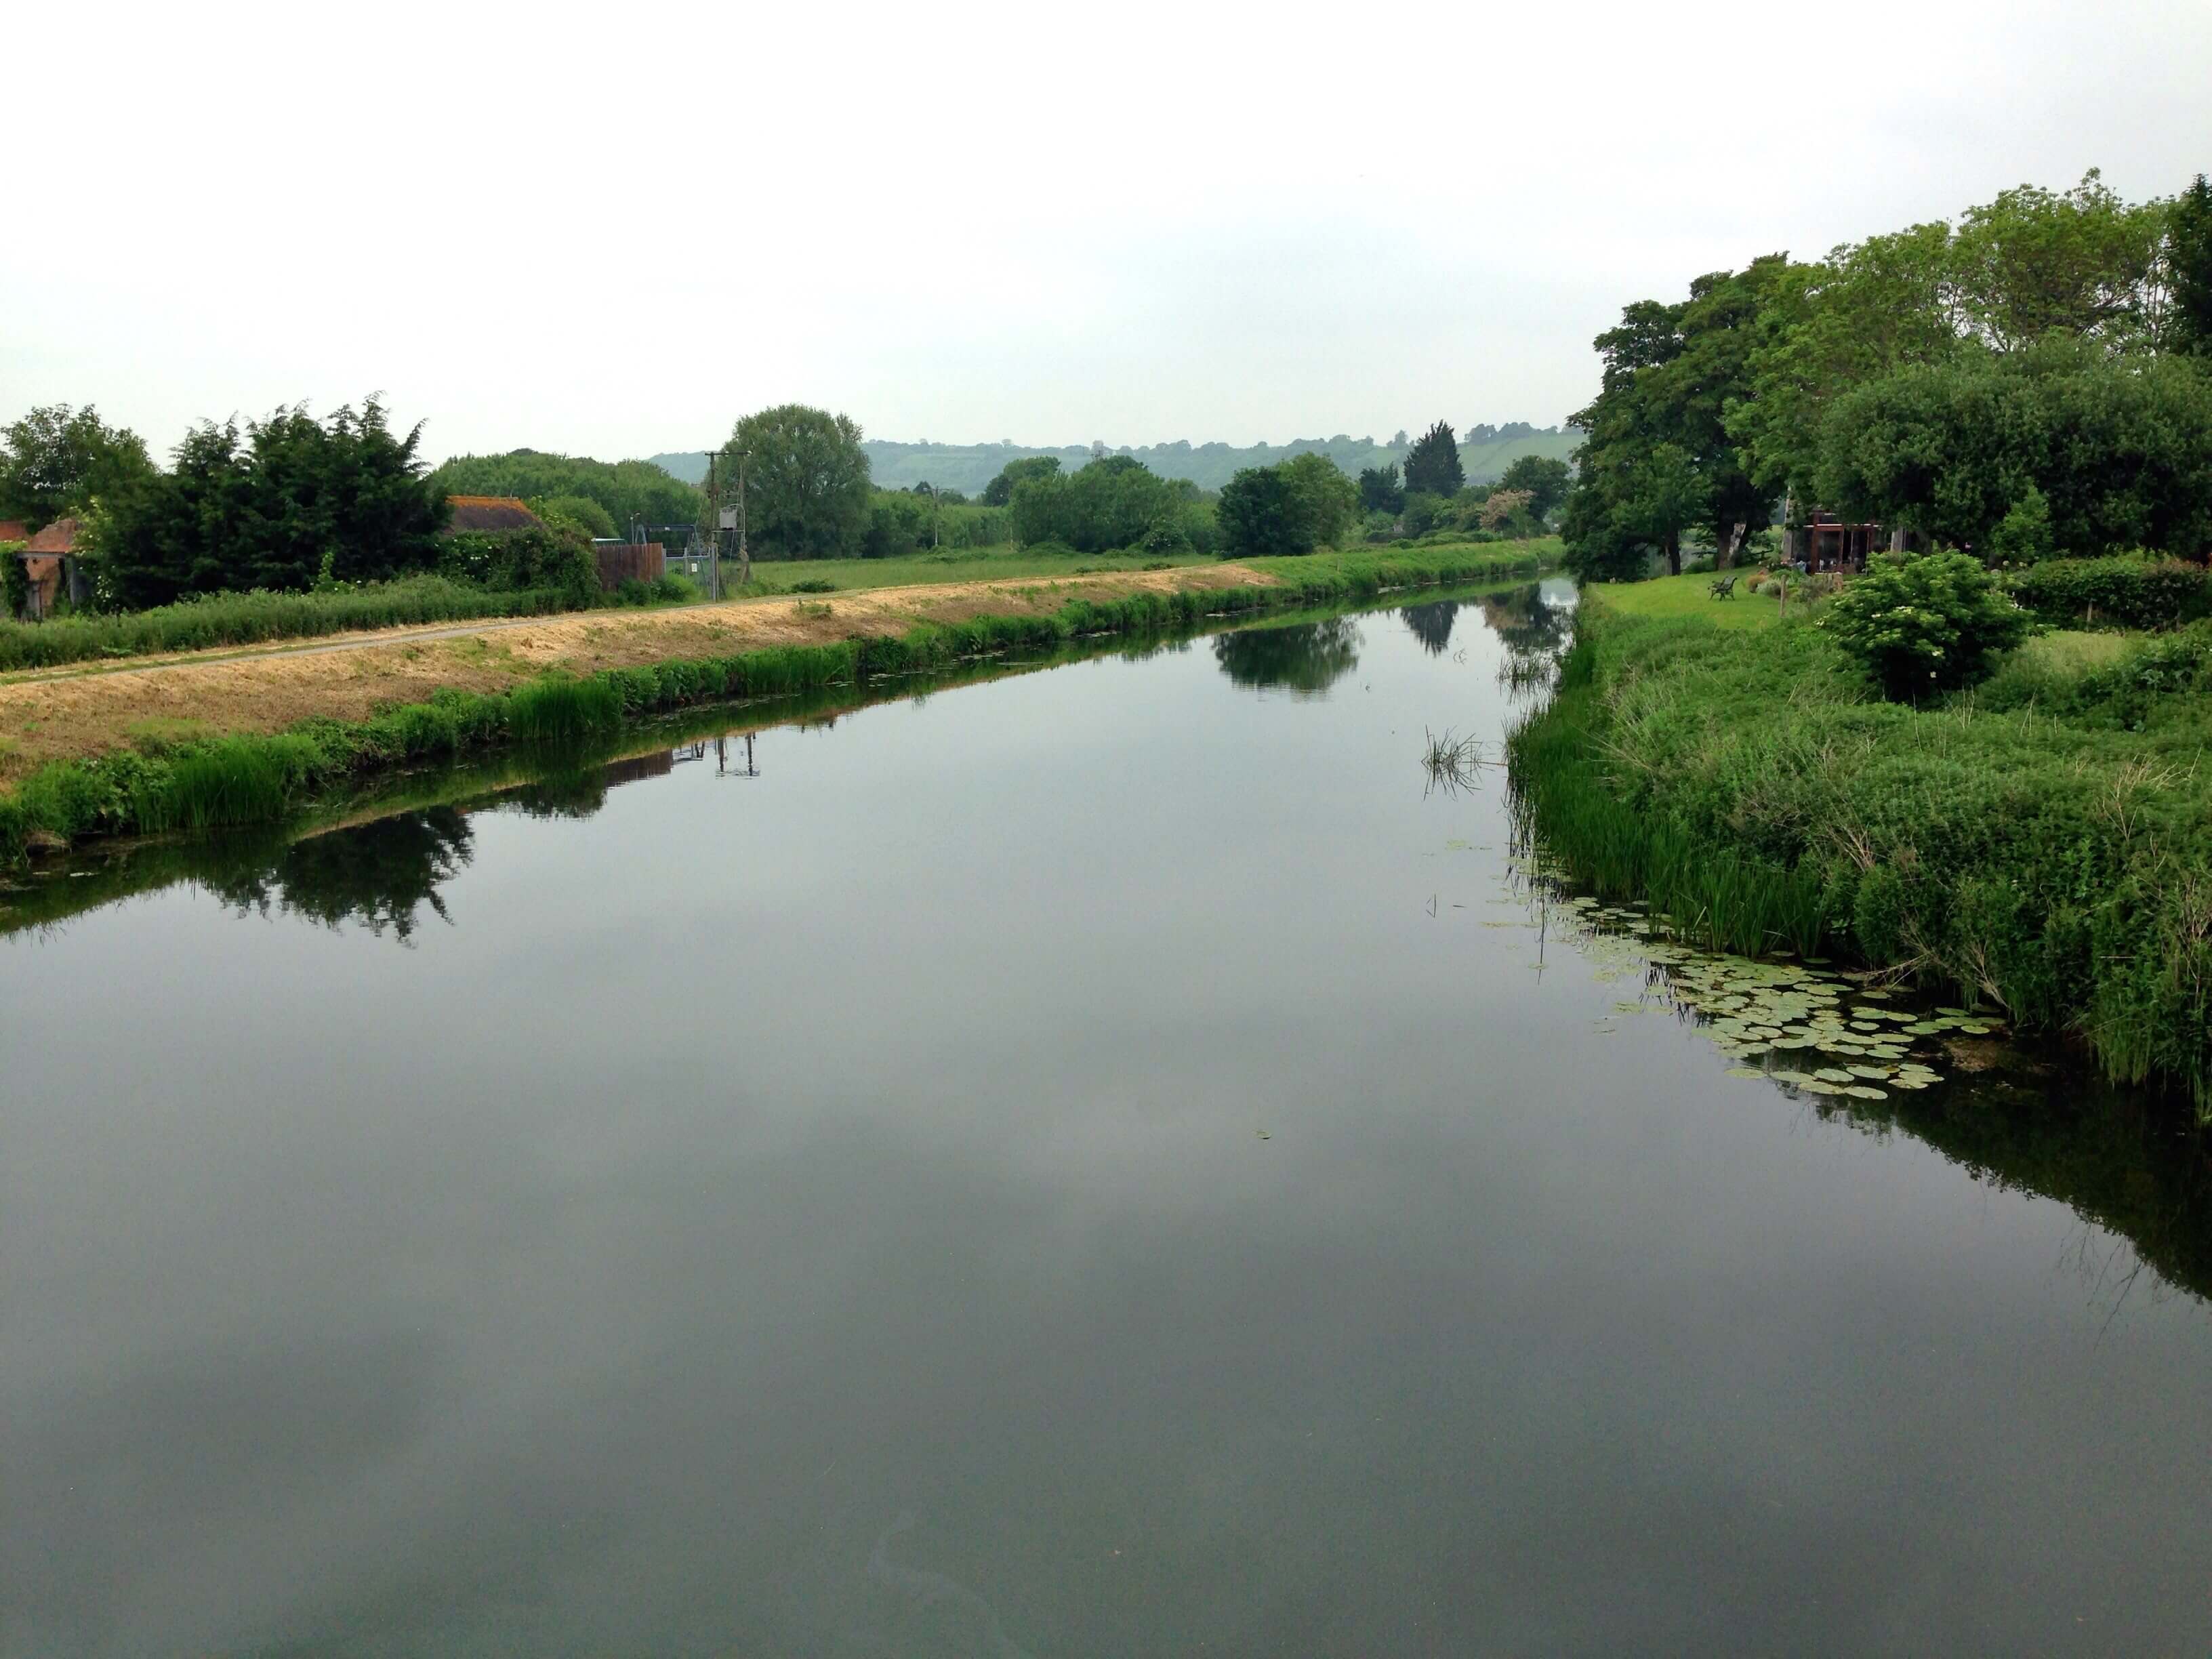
2116, 592
1929, 625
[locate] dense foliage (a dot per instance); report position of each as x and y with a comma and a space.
1111, 503
1744, 779
2113, 454
806, 483
1292, 508
1001, 490
624, 490
2022, 383
56, 461
2115, 592
288, 502
1924, 625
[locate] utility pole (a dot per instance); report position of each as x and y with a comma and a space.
745, 558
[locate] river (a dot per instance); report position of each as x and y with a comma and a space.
1114, 1159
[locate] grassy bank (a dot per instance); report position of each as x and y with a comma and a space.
202, 782
2055, 865
235, 619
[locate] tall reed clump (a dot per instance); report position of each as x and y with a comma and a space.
247, 779
1752, 785
564, 710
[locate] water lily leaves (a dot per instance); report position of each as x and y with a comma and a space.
1864, 1091
1832, 1074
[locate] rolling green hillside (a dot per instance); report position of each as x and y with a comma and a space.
1485, 451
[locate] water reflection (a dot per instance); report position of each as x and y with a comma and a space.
1304, 658
1432, 624
382, 875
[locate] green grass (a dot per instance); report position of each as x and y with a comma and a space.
230, 619
2073, 653
1691, 596
2055, 864
196, 782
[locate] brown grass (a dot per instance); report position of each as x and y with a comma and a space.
61, 716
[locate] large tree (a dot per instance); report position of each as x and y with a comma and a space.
2115, 451
1433, 466
1323, 498
806, 483
1001, 490
2188, 268
56, 460
1380, 491
1543, 477
1659, 458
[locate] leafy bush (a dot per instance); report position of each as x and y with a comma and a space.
1928, 624
2116, 592
542, 557
814, 585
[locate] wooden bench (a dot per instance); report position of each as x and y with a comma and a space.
1723, 587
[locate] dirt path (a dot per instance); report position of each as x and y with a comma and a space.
55, 713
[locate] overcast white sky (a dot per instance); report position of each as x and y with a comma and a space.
611, 229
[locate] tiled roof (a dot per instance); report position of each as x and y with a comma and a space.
59, 536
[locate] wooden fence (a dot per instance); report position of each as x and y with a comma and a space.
644, 561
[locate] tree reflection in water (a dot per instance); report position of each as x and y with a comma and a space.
382, 874
1304, 658
1433, 624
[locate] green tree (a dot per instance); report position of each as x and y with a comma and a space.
1259, 516
2035, 263
806, 483
579, 512
1865, 311
55, 460
1323, 498
1544, 478
1432, 465
1380, 491
1001, 490
1115, 502
2119, 449
286, 502
1659, 458
2189, 267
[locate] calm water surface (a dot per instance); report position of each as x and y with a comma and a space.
1095, 1162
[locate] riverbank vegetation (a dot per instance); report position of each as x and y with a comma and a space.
2046, 855
165, 781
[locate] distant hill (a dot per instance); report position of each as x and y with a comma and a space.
1485, 451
